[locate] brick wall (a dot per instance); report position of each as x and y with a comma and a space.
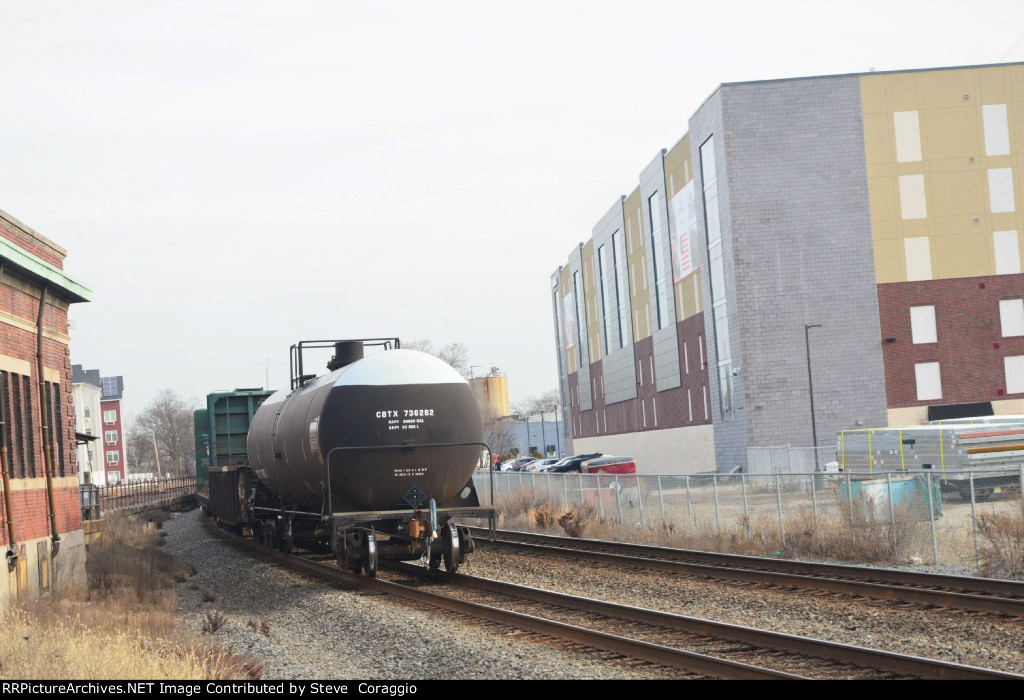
31, 513
31, 244
970, 347
19, 298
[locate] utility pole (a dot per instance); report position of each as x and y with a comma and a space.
156, 452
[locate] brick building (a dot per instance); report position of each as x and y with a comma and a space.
865, 225
41, 534
97, 406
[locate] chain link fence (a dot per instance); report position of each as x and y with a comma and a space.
896, 517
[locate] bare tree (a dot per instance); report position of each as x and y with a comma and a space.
498, 433
548, 402
167, 421
454, 354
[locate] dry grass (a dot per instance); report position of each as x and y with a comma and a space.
1002, 549
854, 534
124, 628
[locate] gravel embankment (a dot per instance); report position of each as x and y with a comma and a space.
319, 632
951, 636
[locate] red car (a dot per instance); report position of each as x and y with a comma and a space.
610, 465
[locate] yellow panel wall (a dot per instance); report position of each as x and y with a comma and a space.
958, 199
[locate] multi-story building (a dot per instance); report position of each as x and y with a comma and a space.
113, 430
855, 233
40, 530
86, 390
97, 402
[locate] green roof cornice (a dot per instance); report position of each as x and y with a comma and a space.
71, 289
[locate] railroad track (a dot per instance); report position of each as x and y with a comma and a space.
713, 649
994, 596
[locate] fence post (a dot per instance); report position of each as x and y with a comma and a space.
600, 494
778, 500
931, 516
689, 504
547, 478
714, 481
533, 485
814, 499
640, 501
565, 489
661, 499
974, 523
580, 475
746, 512
508, 489
892, 513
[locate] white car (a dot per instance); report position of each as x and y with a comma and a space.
541, 465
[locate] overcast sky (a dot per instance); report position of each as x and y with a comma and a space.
232, 177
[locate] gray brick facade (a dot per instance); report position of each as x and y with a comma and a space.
794, 199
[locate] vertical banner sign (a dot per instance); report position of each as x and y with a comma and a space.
682, 221
568, 327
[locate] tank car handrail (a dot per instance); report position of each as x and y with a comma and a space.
295, 364
327, 464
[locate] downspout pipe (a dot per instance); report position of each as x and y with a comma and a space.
5, 472
44, 414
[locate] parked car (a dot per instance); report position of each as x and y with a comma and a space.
541, 465
518, 465
573, 464
610, 465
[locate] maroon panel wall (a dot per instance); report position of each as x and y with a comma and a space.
970, 349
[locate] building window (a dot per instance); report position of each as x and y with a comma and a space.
716, 267
912, 199
908, 136
922, 324
113, 457
110, 436
997, 133
86, 412
621, 266
929, 381
581, 315
1000, 189
1011, 317
918, 255
1014, 367
110, 416
606, 307
1007, 252
661, 278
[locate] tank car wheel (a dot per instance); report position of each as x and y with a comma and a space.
368, 552
450, 554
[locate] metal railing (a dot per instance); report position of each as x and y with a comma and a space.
97, 500
918, 517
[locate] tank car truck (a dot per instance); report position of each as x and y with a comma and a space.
374, 458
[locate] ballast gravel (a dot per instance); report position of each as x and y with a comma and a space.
318, 632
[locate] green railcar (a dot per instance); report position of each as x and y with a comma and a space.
221, 429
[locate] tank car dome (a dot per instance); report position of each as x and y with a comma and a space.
398, 367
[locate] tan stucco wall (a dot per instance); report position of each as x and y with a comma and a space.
686, 450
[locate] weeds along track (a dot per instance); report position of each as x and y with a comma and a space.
977, 595
669, 645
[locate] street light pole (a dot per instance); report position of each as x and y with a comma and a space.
810, 387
